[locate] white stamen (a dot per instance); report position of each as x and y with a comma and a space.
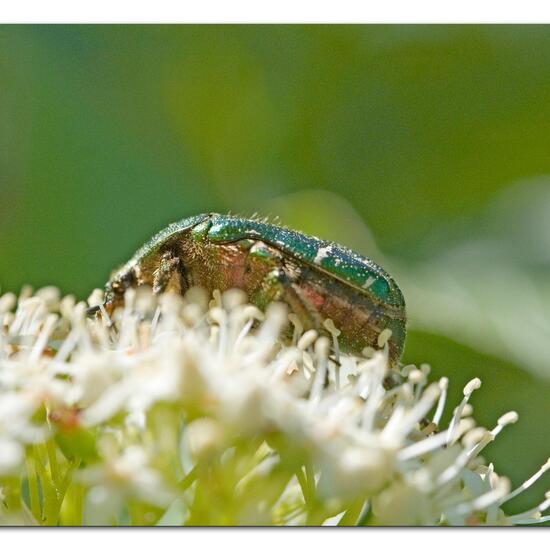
105, 316
487, 499
470, 387
526, 484
322, 349
443, 385
298, 327
335, 333
42, 340
384, 337
7, 302
419, 411
423, 447
95, 298
307, 339
67, 346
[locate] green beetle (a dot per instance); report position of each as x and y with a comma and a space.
318, 279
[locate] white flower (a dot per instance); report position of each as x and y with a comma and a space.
121, 477
16, 429
179, 397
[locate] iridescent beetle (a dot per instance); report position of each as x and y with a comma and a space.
318, 279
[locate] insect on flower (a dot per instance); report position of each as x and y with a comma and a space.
318, 279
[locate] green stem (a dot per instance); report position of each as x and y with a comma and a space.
50, 496
365, 514
52, 461
32, 478
353, 512
12, 494
302, 480
188, 480
310, 475
72, 496
71, 509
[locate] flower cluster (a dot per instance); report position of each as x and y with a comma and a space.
204, 410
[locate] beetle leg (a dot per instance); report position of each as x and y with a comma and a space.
164, 273
279, 285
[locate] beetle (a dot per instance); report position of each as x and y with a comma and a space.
318, 279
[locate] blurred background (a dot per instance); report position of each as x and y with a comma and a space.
426, 148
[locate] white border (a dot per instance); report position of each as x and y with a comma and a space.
274, 538
279, 11
274, 11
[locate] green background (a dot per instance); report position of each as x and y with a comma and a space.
426, 147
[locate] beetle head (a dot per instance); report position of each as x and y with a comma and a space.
115, 288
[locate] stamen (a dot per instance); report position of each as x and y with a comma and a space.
307, 339
42, 340
533, 513
66, 306
510, 417
25, 293
443, 385
506, 419
373, 390
533, 521
526, 484
487, 499
329, 325
470, 387
67, 346
484, 441
155, 322
384, 337
420, 410
423, 447
416, 377
407, 369
322, 350
107, 322
426, 369
216, 299
96, 297
242, 334
7, 302
298, 327
455, 469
